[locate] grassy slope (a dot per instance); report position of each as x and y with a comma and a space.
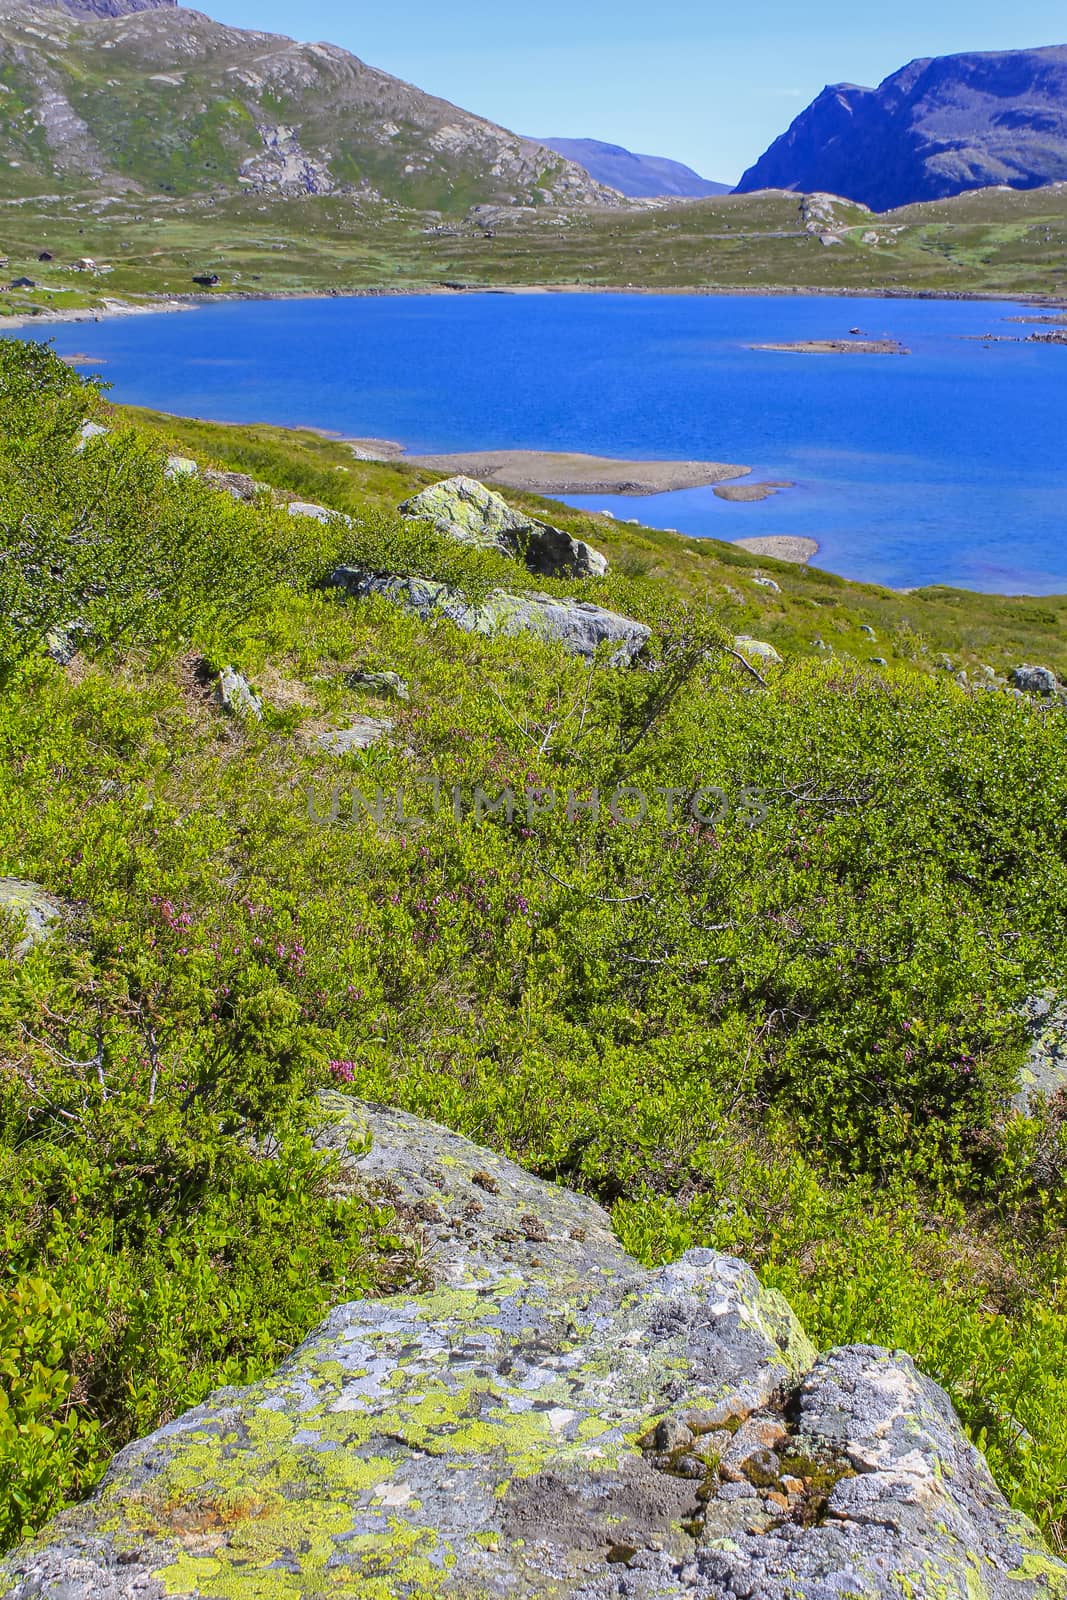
970, 628
992, 243
788, 1041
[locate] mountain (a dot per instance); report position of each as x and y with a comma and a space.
934, 129
125, 95
632, 174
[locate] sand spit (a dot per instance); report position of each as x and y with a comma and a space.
781, 547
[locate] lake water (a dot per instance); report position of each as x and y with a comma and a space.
945, 466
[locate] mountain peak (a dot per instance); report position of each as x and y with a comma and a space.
937, 127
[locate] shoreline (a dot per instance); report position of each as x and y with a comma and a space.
195, 302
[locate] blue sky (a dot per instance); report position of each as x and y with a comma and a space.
706, 83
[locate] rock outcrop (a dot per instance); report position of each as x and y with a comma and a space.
545, 1418
234, 693
361, 735
33, 911
464, 509
234, 111
576, 624
934, 129
1035, 680
1044, 1072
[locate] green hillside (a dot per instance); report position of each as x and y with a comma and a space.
783, 1018
1009, 245
168, 102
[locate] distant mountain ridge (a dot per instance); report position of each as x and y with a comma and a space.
936, 128
108, 8
148, 96
635, 175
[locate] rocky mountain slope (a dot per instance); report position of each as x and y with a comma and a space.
635, 175
167, 101
934, 129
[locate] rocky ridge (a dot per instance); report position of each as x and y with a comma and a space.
544, 1417
936, 128
235, 111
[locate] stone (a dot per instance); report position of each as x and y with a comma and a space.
1044, 1072
464, 509
479, 1435
758, 649
749, 1457
578, 625
180, 467
672, 1434
767, 583
238, 485
235, 694
361, 735
34, 911
87, 432
307, 508
387, 684
868, 630
879, 661
62, 644
1035, 680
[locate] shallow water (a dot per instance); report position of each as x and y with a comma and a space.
948, 465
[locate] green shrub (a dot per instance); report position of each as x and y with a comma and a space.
791, 1032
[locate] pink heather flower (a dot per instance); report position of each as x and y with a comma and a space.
343, 1071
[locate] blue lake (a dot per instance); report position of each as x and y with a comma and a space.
948, 465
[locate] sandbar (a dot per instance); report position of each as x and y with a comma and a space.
838, 347
553, 472
781, 547
749, 491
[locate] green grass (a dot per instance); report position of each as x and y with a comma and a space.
1008, 245
791, 1034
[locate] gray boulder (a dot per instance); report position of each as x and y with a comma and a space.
181, 467
388, 684
238, 485
757, 649
1044, 1072
545, 1418
87, 433
306, 508
62, 644
34, 911
466, 510
767, 583
576, 624
360, 736
234, 693
1035, 680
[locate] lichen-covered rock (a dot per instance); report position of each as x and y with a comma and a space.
388, 684
1044, 1072
576, 624
464, 509
307, 508
361, 735
235, 694
180, 467
238, 485
1035, 680
87, 433
757, 649
546, 1419
33, 910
